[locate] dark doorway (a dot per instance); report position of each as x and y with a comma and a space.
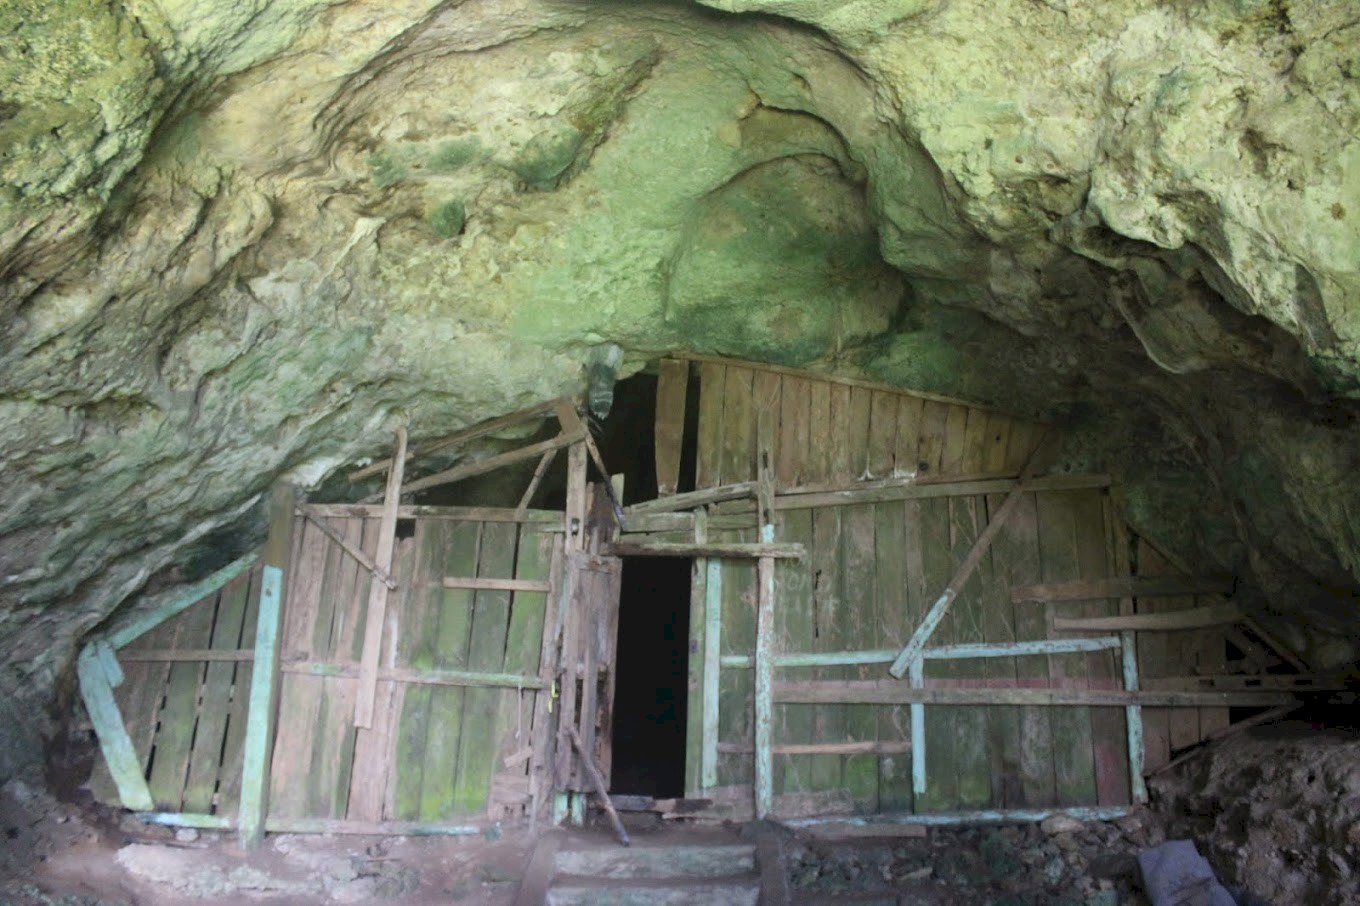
650, 693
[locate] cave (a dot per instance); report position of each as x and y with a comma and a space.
922, 435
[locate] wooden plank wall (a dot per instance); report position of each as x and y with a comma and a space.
871, 572
435, 752
187, 719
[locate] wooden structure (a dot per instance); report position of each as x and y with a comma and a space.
896, 611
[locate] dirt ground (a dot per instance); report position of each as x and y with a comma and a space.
1277, 812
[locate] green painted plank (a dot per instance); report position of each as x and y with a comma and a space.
1073, 757
179, 715
694, 666
259, 722
971, 758
415, 648
859, 599
114, 743
205, 761
941, 789
478, 743
453, 613
192, 595
233, 745
1003, 723
894, 627
736, 689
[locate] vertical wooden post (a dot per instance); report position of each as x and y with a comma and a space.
571, 615
713, 591
119, 754
376, 617
264, 677
916, 676
1128, 649
694, 723
764, 723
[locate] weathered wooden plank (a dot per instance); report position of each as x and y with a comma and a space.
998, 437
1120, 563
481, 429
1168, 621
998, 626
892, 692
713, 623
1153, 660
1073, 752
953, 456
114, 743
1108, 736
938, 789
1122, 586
374, 764
912, 649
893, 623
736, 691
934, 418
916, 602
482, 583
205, 759
1041, 648
882, 434
695, 664
423, 511
672, 386
254, 802
708, 469
859, 594
180, 713
187, 598
541, 761
792, 446
376, 616
713, 549
737, 461
233, 745
357, 553
468, 470
908, 438
793, 626
817, 467
972, 763
342, 621
859, 747
693, 499
828, 614
202, 655
974, 458
459, 551
765, 607
1037, 780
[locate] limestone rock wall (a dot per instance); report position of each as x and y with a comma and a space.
241, 241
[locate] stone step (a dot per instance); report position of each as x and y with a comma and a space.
660, 893
659, 862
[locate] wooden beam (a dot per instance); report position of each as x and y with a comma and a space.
358, 554
876, 692
495, 584
1193, 618
777, 550
694, 499
672, 387
862, 747
963, 651
491, 463
191, 595
1293, 682
601, 788
376, 618
264, 677
481, 429
912, 650
189, 655
1122, 586
424, 677
903, 489
422, 511
539, 471
708, 758
114, 743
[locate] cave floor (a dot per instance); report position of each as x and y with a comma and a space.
62, 853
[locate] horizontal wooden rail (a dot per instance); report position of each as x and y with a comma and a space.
424, 511
358, 553
875, 692
483, 584
1194, 618
186, 654
942, 652
955, 819
316, 825
773, 550
419, 677
1122, 587
491, 463
864, 747
692, 499
1281, 681
902, 489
